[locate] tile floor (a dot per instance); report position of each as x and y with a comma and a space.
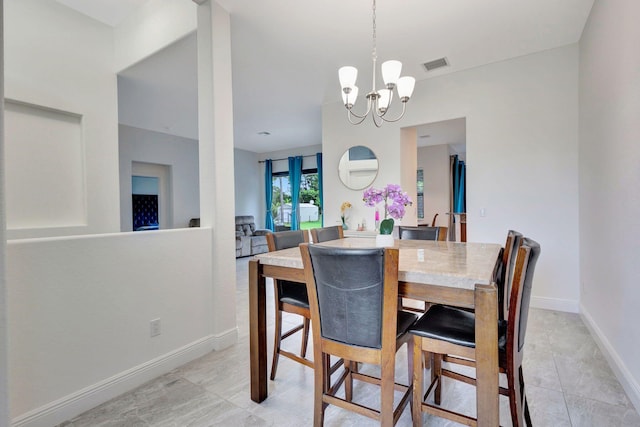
569, 383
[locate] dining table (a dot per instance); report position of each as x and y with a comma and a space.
452, 273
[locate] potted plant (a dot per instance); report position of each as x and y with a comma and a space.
345, 208
394, 200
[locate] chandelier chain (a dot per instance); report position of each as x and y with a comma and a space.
374, 52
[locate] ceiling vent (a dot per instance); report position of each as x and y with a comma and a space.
436, 63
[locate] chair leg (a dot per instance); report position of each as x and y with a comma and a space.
411, 360
327, 371
305, 337
277, 337
387, 385
527, 414
436, 372
525, 404
348, 382
515, 382
319, 384
418, 382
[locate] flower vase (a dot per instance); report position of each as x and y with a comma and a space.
384, 240
344, 224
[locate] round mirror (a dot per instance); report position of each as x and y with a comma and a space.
358, 167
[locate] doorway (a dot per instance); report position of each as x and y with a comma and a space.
151, 207
438, 144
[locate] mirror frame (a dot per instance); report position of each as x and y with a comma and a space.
367, 173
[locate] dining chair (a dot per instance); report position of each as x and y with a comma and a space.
353, 297
327, 233
506, 270
290, 297
420, 233
423, 232
447, 334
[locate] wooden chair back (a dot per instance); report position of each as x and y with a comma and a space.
423, 233
520, 298
286, 239
505, 276
324, 234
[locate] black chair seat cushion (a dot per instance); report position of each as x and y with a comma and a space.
455, 326
405, 320
293, 293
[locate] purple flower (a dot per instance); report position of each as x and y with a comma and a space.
393, 197
372, 196
396, 210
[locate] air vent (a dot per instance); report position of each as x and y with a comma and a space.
436, 63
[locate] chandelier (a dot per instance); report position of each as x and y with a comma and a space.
378, 101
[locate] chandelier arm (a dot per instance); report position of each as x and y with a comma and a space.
351, 113
356, 122
375, 122
404, 108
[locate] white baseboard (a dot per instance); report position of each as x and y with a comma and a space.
628, 382
225, 339
76, 403
557, 304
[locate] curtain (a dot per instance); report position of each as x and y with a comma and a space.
321, 200
457, 191
268, 194
295, 175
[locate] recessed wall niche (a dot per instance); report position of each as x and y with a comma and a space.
44, 163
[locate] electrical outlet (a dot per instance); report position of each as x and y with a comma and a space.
154, 327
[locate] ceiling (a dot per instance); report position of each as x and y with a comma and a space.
110, 12
286, 53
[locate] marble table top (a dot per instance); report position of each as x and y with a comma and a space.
452, 264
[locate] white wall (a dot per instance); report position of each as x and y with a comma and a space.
408, 172
4, 352
80, 311
215, 137
44, 44
79, 306
181, 154
155, 25
249, 187
522, 120
609, 182
434, 161
337, 137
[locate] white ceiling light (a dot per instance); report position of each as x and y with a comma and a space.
378, 102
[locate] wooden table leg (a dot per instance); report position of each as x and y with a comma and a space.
488, 405
257, 331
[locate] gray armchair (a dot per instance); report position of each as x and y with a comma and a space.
249, 240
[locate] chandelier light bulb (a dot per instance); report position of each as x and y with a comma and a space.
384, 101
347, 76
391, 73
351, 97
405, 87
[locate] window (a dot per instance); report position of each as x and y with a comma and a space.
310, 209
420, 188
